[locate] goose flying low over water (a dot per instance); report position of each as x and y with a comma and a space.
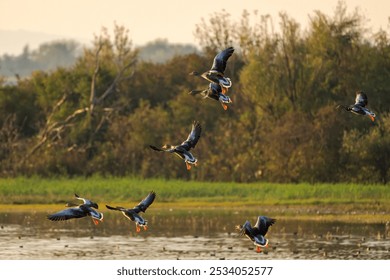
216, 73
258, 232
133, 213
83, 210
214, 91
183, 150
359, 107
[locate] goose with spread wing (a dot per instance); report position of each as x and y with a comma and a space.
214, 91
80, 211
216, 73
359, 108
257, 233
133, 213
183, 150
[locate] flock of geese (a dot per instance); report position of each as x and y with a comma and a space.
216, 90
88, 208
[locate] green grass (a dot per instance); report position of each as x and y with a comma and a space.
35, 190
342, 202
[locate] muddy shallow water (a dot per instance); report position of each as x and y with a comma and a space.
184, 234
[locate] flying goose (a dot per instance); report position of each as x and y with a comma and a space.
80, 211
133, 213
183, 150
214, 91
258, 232
216, 73
359, 108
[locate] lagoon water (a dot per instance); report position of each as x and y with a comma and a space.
186, 234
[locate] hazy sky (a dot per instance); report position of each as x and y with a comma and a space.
174, 20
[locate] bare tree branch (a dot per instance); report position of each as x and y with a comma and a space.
124, 59
117, 79
56, 107
53, 131
92, 98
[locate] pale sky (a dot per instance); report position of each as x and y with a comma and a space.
174, 20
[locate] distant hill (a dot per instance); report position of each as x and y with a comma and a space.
160, 50
58, 52
13, 41
48, 56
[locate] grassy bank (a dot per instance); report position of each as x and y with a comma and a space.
58, 190
335, 202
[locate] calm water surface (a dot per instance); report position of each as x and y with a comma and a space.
184, 234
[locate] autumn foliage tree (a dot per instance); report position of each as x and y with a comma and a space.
99, 115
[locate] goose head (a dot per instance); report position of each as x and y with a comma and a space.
167, 147
195, 73
241, 228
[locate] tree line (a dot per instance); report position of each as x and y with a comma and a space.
99, 115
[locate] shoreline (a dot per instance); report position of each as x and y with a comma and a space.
324, 213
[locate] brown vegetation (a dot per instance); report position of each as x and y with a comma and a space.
99, 115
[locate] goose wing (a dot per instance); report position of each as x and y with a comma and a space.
69, 213
220, 60
117, 208
214, 87
263, 223
204, 93
156, 148
211, 91
128, 213
162, 149
214, 90
343, 107
145, 203
87, 202
249, 231
193, 137
246, 228
361, 99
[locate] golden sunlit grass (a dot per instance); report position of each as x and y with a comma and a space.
342, 202
334, 213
